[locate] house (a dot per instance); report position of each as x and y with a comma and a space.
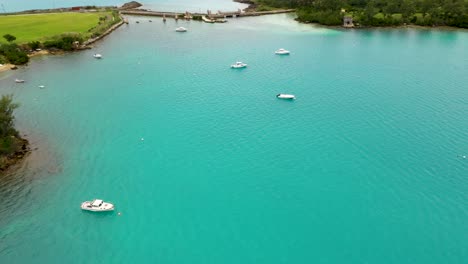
348, 22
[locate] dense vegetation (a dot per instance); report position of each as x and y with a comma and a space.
379, 12
66, 42
59, 31
9, 139
11, 52
12, 147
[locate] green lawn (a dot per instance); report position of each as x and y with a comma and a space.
41, 26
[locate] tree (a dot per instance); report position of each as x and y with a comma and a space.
369, 11
407, 9
14, 54
34, 45
9, 37
6, 116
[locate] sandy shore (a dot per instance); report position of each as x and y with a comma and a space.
6, 67
37, 53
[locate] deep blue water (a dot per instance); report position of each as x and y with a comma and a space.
366, 166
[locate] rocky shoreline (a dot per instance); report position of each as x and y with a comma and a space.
14, 158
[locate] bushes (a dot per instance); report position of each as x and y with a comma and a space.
9, 37
34, 45
64, 42
14, 54
328, 17
104, 24
9, 142
379, 12
7, 119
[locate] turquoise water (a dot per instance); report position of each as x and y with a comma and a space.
363, 167
161, 5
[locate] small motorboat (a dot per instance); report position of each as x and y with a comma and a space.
19, 81
97, 56
97, 205
181, 29
282, 52
238, 65
41, 86
286, 96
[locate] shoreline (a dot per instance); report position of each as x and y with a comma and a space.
6, 67
16, 157
412, 26
252, 7
86, 45
409, 26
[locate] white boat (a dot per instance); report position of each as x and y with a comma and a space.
181, 29
238, 65
97, 205
282, 52
286, 96
97, 56
19, 81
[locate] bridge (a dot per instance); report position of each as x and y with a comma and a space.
219, 14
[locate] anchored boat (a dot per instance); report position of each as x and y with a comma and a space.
282, 52
286, 96
238, 65
181, 29
97, 205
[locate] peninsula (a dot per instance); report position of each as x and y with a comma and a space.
13, 148
64, 29
373, 13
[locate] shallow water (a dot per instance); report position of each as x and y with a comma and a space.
160, 5
363, 167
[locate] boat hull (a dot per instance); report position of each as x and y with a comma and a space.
286, 96
239, 66
105, 207
282, 52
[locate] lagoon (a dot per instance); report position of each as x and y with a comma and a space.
160, 5
364, 167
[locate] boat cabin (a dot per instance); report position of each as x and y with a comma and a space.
97, 203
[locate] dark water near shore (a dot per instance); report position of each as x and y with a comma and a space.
365, 166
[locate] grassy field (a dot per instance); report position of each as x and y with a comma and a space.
41, 26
